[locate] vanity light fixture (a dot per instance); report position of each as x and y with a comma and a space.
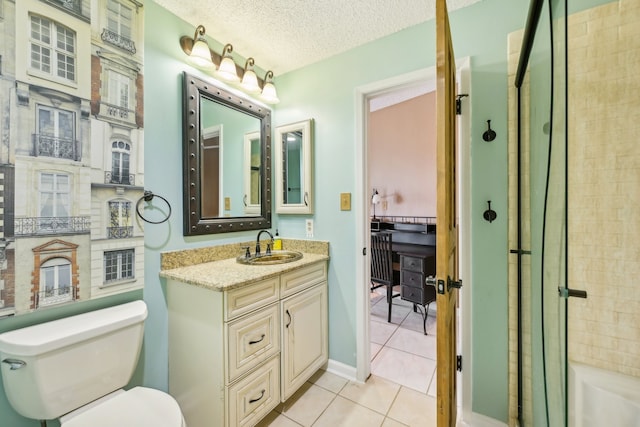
227, 68
197, 48
249, 78
269, 93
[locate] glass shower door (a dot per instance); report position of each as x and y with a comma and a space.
544, 223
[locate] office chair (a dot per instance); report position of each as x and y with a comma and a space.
382, 265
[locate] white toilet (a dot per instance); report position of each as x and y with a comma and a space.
74, 369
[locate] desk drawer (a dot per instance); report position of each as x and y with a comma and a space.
410, 293
411, 278
413, 263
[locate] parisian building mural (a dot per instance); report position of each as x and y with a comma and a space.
71, 151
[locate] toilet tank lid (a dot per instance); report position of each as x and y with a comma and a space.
48, 336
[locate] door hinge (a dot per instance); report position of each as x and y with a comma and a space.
459, 363
364, 251
459, 103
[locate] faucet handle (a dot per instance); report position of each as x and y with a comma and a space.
268, 248
247, 253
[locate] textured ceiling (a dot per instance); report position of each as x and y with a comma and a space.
283, 35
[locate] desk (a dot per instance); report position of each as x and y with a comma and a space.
414, 269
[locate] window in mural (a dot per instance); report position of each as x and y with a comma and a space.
118, 265
119, 19
119, 89
55, 133
55, 282
53, 48
54, 203
120, 162
121, 221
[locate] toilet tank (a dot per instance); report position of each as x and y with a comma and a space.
72, 361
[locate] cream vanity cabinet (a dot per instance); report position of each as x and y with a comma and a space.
235, 354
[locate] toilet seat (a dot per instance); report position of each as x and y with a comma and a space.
140, 406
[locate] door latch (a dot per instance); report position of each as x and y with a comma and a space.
441, 288
453, 283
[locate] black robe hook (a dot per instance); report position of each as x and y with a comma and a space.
490, 214
489, 134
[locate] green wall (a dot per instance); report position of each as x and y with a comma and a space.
480, 32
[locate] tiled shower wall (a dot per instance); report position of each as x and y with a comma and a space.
604, 186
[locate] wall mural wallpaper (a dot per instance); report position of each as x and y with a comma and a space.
71, 151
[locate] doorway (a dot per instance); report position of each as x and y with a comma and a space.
420, 78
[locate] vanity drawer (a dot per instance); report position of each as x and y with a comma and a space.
254, 396
246, 298
252, 339
296, 280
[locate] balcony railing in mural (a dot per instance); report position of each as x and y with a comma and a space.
118, 40
52, 146
38, 226
117, 112
114, 178
55, 296
119, 232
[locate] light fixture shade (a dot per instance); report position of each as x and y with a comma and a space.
375, 199
227, 68
269, 93
200, 55
249, 78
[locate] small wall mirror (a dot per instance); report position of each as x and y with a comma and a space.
226, 161
294, 146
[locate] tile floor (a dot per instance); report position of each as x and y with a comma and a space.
399, 392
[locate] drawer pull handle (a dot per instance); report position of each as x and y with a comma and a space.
289, 322
261, 396
257, 341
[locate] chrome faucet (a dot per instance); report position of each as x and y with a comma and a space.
268, 244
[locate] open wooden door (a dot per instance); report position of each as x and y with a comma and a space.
446, 229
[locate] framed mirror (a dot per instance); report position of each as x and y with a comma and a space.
294, 169
217, 124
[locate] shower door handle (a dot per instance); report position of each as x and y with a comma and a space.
566, 293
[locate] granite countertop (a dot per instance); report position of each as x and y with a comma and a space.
228, 274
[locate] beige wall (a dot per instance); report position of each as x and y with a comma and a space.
401, 157
604, 186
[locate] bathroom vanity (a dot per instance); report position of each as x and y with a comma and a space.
244, 338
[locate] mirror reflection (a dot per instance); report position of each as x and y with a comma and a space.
227, 142
251, 167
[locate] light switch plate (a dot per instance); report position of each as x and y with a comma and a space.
309, 227
345, 201
227, 203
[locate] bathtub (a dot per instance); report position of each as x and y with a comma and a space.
602, 398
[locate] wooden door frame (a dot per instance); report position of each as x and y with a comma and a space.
361, 206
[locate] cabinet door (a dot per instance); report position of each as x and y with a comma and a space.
304, 337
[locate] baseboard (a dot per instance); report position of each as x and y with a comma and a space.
340, 369
478, 420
